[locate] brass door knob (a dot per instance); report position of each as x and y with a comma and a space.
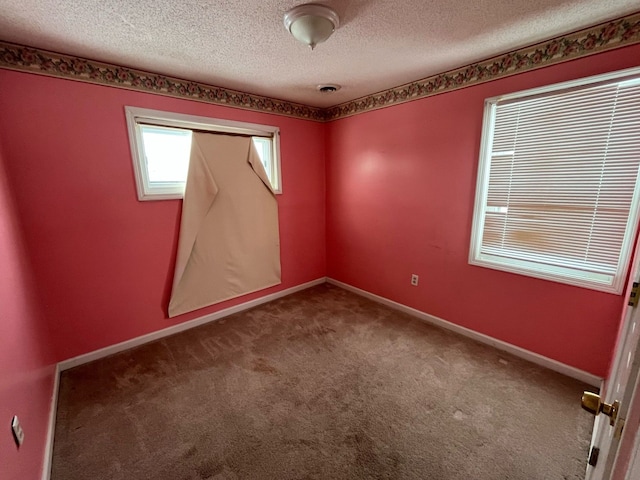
592, 403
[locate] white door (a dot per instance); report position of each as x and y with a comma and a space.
620, 384
634, 465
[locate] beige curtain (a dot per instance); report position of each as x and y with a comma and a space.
229, 242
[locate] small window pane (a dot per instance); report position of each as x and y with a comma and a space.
263, 146
167, 153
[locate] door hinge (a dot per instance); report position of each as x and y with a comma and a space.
633, 296
617, 431
593, 456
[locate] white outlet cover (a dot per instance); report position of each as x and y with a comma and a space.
18, 433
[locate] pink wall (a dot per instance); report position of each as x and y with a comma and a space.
102, 259
400, 195
26, 371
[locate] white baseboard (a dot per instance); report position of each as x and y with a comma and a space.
536, 358
165, 332
51, 430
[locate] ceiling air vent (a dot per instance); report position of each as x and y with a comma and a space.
328, 88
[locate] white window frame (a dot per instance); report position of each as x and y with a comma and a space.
553, 273
175, 190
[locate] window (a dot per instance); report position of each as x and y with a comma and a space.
558, 193
161, 146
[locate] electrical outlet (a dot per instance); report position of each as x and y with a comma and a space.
414, 280
16, 428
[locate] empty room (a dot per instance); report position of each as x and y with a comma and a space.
334, 240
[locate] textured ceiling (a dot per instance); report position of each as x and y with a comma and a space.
243, 45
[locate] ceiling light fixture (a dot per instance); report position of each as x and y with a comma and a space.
311, 23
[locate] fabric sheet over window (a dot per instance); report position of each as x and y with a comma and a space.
229, 241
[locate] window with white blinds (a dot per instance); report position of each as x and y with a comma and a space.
557, 194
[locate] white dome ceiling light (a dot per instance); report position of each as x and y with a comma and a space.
311, 23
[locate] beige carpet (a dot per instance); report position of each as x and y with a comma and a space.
322, 384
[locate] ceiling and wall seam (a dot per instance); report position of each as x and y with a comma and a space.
589, 41
602, 37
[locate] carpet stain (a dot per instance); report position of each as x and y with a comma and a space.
310, 332
262, 365
460, 415
226, 475
208, 469
190, 453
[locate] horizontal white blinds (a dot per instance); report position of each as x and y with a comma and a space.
562, 179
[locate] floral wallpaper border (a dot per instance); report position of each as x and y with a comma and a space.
33, 60
606, 36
